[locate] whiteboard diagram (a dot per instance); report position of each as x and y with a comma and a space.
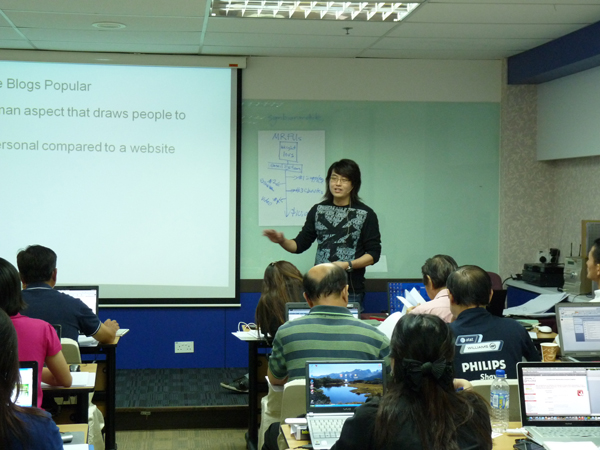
291, 175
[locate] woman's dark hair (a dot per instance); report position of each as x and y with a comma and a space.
12, 428
10, 289
348, 169
282, 284
422, 392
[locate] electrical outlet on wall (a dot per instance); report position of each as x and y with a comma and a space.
184, 347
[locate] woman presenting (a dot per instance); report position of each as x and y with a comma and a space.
346, 230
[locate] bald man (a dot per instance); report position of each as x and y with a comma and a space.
328, 332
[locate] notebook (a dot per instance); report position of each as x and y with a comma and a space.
295, 310
334, 389
560, 401
579, 330
87, 294
28, 386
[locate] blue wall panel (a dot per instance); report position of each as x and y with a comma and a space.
236, 351
154, 331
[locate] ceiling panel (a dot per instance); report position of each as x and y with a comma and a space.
498, 13
309, 27
9, 33
511, 45
110, 37
182, 8
433, 54
285, 52
290, 41
478, 31
116, 47
15, 44
85, 21
444, 29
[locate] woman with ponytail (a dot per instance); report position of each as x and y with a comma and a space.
422, 409
281, 284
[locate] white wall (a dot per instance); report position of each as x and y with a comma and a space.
568, 112
372, 80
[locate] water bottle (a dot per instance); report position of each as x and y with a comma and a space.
499, 394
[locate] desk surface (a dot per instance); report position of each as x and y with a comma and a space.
90, 368
75, 427
503, 442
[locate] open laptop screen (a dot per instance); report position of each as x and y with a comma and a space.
555, 393
579, 329
342, 385
27, 388
295, 310
87, 294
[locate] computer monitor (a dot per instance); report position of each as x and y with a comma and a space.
579, 329
28, 385
87, 294
295, 310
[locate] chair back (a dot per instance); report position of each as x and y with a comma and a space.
496, 281
293, 403
482, 387
70, 349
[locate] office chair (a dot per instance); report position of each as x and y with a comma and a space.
70, 349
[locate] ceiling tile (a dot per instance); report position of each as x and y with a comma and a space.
85, 21
182, 8
116, 47
477, 31
113, 36
505, 13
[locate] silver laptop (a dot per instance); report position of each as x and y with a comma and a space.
560, 401
579, 330
334, 389
87, 294
295, 310
27, 389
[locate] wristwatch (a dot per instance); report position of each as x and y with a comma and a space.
349, 268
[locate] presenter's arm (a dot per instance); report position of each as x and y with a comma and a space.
107, 332
278, 238
57, 371
358, 263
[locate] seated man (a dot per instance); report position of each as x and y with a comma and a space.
328, 332
37, 268
484, 342
435, 273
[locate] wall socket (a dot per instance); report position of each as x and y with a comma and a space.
184, 347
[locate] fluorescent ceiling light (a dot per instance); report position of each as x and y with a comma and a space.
313, 10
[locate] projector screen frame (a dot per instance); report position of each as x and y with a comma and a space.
235, 64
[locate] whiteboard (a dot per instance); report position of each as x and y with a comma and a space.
291, 175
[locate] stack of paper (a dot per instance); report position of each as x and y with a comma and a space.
411, 299
537, 306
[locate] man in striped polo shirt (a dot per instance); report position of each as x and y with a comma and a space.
328, 332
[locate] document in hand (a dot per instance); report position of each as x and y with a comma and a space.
537, 306
388, 325
412, 298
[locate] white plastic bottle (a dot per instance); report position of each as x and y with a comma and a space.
499, 394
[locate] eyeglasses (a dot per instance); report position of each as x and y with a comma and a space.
337, 179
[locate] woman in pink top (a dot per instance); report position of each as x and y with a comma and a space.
38, 340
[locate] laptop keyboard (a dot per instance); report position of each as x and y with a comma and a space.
569, 431
329, 428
